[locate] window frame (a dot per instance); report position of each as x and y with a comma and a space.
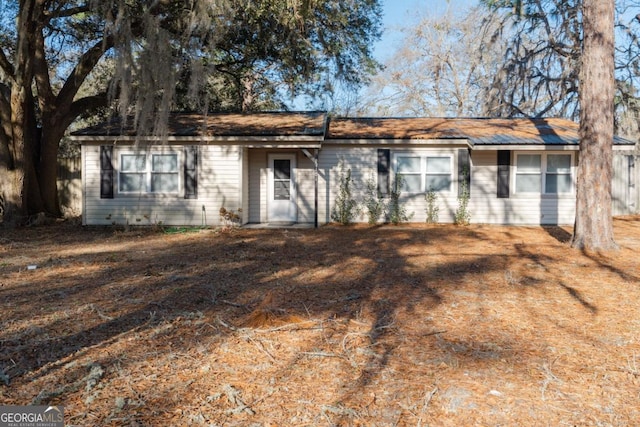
419, 173
424, 173
289, 179
122, 171
149, 172
544, 172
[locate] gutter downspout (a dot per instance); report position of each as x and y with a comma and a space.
316, 153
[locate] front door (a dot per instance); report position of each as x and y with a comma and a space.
281, 206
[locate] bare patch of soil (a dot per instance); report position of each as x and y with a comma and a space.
409, 326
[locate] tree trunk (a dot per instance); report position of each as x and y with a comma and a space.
28, 148
22, 193
7, 195
593, 228
10, 199
22, 161
48, 168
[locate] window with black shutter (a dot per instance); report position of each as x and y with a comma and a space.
384, 165
191, 172
464, 172
504, 165
106, 172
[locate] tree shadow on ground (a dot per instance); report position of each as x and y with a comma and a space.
558, 233
142, 284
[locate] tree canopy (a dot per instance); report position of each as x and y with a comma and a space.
543, 58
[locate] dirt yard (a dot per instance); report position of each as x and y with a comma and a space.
340, 326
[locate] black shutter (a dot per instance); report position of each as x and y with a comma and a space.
464, 171
504, 164
106, 172
384, 165
191, 172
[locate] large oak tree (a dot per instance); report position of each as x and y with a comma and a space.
224, 55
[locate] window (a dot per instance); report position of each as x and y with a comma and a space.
438, 177
411, 171
133, 169
558, 174
149, 173
544, 173
528, 173
282, 179
164, 173
425, 173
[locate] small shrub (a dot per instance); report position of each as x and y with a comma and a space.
345, 208
229, 218
397, 212
462, 215
432, 208
373, 202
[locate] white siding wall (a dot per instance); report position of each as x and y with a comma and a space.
245, 186
484, 205
258, 165
625, 191
363, 162
219, 184
236, 177
486, 208
304, 175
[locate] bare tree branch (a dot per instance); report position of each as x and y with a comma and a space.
80, 72
6, 66
41, 72
86, 106
68, 12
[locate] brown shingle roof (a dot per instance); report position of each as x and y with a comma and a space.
255, 124
478, 131
453, 128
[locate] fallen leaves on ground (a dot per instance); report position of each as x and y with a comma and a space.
410, 326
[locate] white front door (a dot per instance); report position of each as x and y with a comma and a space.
281, 205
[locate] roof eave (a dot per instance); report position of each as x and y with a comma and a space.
398, 141
209, 140
526, 147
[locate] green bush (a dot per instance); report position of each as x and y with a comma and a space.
462, 215
397, 212
345, 208
373, 202
432, 208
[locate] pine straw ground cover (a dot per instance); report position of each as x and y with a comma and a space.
345, 326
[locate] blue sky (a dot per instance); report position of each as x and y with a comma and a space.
400, 14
